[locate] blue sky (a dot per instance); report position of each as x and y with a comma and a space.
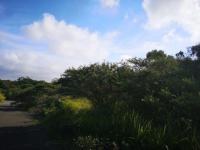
57, 34
84, 13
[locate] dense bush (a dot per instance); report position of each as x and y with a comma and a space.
2, 97
99, 127
33, 95
67, 113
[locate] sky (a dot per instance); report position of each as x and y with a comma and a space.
42, 38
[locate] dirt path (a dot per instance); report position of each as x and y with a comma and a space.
19, 131
11, 117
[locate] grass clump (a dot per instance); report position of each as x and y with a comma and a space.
66, 116
76, 104
2, 97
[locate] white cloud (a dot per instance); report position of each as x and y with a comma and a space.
125, 57
49, 46
170, 41
183, 13
30, 63
172, 35
68, 40
110, 3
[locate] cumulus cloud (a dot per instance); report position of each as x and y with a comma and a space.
110, 3
29, 63
19, 57
67, 39
48, 46
183, 13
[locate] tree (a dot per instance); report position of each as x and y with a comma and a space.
195, 51
155, 54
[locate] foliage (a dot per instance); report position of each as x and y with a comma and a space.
112, 125
65, 115
2, 97
28, 96
86, 143
76, 104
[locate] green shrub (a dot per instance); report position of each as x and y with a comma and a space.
77, 118
2, 97
66, 116
45, 104
76, 104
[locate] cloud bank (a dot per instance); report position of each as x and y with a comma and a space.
182, 13
48, 46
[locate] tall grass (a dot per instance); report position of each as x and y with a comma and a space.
107, 125
2, 97
76, 104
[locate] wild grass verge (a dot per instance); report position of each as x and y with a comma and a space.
107, 127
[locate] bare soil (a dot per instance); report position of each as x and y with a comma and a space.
19, 131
